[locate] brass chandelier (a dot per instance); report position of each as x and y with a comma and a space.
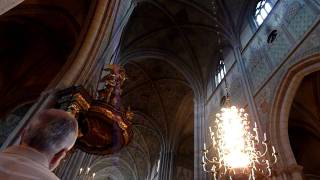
236, 149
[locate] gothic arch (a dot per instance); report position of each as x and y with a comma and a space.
278, 127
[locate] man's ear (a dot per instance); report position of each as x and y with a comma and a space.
58, 156
22, 134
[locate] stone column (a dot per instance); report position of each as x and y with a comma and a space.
199, 137
6, 5
246, 86
72, 169
166, 165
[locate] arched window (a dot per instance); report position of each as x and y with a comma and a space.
220, 73
263, 9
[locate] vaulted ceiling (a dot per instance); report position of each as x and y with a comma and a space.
181, 33
169, 49
184, 32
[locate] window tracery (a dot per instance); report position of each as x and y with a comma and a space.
220, 73
263, 9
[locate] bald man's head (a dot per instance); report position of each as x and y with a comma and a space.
50, 131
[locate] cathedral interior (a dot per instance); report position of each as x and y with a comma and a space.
180, 60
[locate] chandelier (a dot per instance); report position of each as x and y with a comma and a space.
236, 150
235, 147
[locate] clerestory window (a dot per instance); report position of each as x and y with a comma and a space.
220, 73
263, 9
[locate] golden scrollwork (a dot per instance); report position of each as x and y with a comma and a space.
102, 110
81, 101
110, 115
78, 104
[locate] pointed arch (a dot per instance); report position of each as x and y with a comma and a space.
278, 127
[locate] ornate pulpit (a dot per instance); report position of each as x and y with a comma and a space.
104, 125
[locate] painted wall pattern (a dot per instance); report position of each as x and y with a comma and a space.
301, 21
235, 85
278, 50
296, 19
256, 67
265, 97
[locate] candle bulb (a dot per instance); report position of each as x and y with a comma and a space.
236, 148
213, 168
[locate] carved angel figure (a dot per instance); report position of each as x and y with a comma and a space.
113, 80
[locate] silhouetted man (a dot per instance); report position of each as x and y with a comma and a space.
44, 143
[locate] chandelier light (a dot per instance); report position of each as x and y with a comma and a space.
86, 174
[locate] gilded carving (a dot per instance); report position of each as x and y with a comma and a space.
81, 101
113, 80
102, 121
